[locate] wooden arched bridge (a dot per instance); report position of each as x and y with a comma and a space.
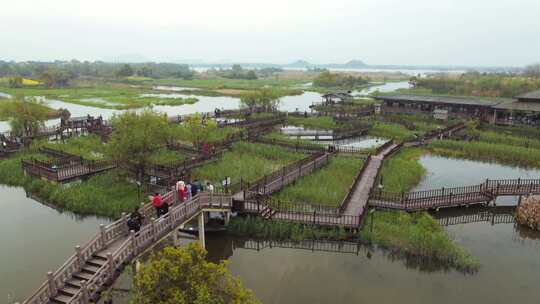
97, 263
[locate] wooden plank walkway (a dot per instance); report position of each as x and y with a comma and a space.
97, 263
454, 197
275, 181
356, 202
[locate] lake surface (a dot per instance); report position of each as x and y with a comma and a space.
35, 239
205, 104
451, 172
508, 254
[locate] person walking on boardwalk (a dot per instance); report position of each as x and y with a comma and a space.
189, 191
210, 187
135, 220
157, 203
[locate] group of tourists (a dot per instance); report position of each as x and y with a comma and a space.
184, 191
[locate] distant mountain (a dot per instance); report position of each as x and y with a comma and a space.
355, 64
298, 64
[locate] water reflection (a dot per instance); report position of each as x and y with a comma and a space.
35, 239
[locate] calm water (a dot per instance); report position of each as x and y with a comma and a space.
35, 239
449, 172
205, 103
509, 256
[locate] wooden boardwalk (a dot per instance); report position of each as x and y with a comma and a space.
275, 181
96, 264
356, 201
454, 197
492, 215
63, 167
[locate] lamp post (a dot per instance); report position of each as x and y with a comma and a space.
139, 190
371, 212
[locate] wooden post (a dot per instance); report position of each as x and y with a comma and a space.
153, 227
80, 259
110, 262
51, 283
103, 235
84, 292
201, 230
133, 241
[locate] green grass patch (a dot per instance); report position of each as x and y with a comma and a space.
248, 161
102, 195
327, 186
257, 227
227, 83
182, 133
402, 172
107, 97
89, 147
484, 151
392, 130
508, 139
416, 234
313, 122
165, 156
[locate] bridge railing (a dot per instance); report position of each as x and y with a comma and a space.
453, 196
347, 199
133, 244
277, 179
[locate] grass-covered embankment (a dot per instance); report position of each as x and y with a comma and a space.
247, 161
257, 227
313, 122
327, 186
103, 194
401, 172
391, 130
416, 234
509, 154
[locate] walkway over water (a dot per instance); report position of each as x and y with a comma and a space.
456, 196
97, 263
356, 201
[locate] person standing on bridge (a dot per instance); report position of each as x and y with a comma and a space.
157, 203
181, 191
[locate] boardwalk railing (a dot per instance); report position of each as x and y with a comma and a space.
176, 169
275, 181
130, 245
308, 147
347, 198
456, 196
325, 216
253, 123
62, 170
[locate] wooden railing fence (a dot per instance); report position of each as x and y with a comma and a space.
131, 245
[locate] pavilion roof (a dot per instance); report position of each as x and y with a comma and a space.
530, 95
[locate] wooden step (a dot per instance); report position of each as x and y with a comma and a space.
83, 276
74, 282
99, 257
61, 299
68, 290
90, 268
96, 262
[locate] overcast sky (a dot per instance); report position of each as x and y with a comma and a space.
414, 32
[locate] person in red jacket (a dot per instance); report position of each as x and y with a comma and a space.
157, 203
